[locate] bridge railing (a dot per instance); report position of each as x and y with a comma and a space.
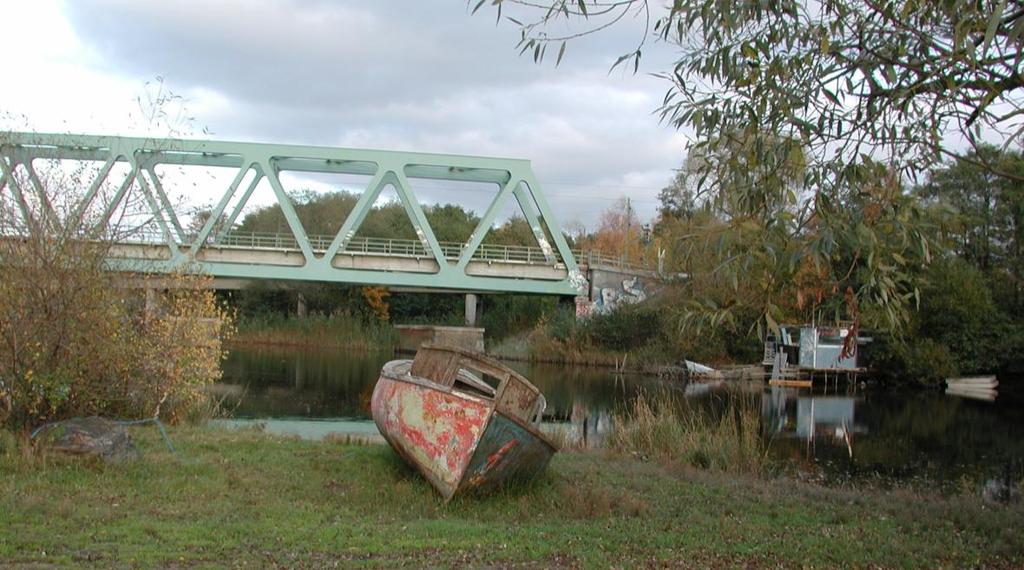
369, 246
593, 258
415, 248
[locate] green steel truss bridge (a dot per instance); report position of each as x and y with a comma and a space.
96, 204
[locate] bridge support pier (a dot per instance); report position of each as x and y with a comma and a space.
300, 306
472, 307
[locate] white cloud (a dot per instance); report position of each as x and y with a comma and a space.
396, 75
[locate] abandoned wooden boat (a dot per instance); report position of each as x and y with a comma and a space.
464, 421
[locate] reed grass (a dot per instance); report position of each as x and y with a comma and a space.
674, 431
538, 346
335, 331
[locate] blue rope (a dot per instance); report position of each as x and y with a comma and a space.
159, 424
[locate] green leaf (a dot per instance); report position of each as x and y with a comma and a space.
772, 325
993, 24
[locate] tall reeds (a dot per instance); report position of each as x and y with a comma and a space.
341, 331
668, 429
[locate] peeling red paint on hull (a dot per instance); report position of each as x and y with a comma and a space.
436, 431
458, 440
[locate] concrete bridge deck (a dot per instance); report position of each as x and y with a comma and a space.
372, 254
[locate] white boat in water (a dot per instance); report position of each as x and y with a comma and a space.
989, 382
975, 387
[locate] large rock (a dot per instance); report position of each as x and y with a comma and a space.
94, 436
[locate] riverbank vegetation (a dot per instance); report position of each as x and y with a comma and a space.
245, 498
676, 432
971, 313
335, 331
643, 337
77, 339
76, 344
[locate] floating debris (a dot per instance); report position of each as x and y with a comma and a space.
975, 387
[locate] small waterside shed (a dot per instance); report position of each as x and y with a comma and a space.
799, 352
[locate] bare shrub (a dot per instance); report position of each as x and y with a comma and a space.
76, 339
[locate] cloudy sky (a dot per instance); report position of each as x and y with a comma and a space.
399, 75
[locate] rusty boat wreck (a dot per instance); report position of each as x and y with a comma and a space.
464, 421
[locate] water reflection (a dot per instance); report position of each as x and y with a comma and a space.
276, 382
269, 382
839, 436
589, 428
788, 413
896, 436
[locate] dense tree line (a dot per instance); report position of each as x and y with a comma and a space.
323, 214
949, 248
971, 298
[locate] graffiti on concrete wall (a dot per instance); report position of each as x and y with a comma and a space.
584, 307
609, 298
578, 281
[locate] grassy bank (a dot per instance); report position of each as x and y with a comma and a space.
643, 338
244, 498
537, 346
356, 334
329, 332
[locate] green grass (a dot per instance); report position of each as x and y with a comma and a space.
340, 331
246, 499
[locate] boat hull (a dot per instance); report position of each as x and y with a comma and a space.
457, 441
507, 452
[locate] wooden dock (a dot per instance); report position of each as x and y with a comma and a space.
791, 382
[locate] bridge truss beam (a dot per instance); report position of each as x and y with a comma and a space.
19, 152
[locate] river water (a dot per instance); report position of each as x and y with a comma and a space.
835, 435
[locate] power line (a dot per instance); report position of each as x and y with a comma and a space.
554, 194
608, 198
616, 186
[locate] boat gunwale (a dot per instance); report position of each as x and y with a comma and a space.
407, 376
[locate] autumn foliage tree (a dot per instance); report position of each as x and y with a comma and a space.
618, 234
763, 249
